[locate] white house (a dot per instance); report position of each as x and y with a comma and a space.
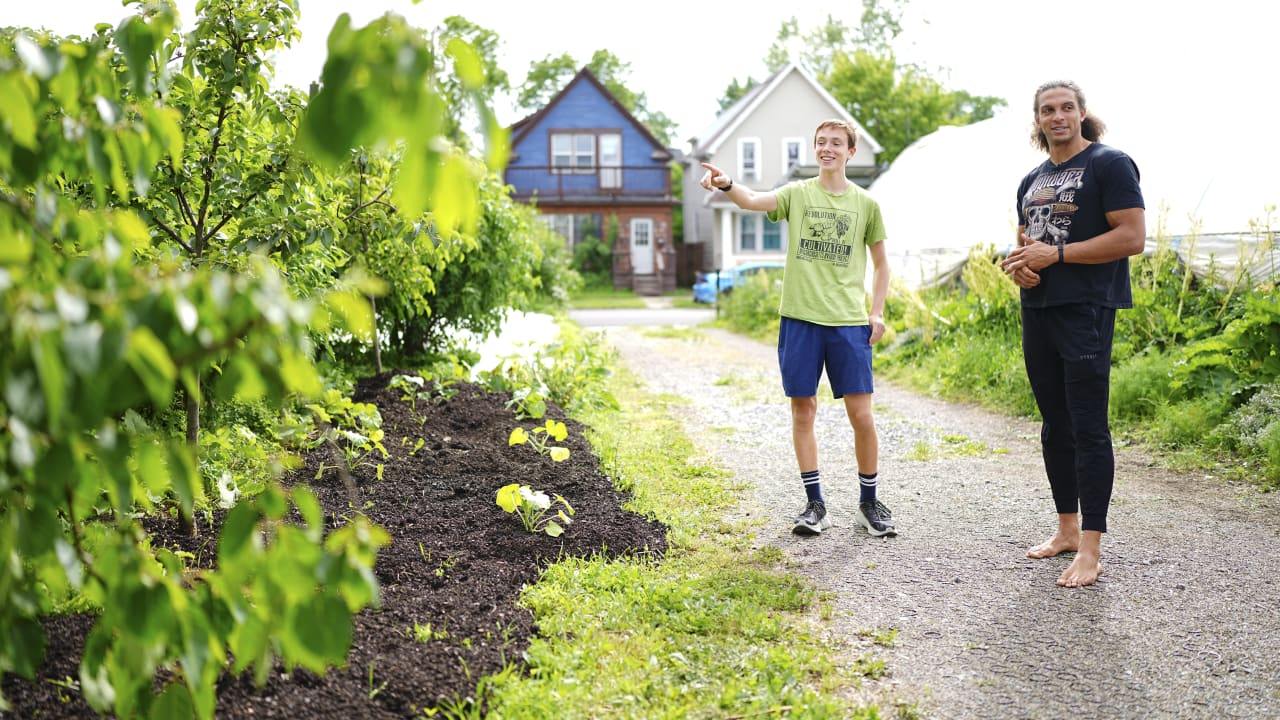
763, 140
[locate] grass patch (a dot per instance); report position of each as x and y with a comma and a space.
715, 629
604, 297
683, 298
951, 446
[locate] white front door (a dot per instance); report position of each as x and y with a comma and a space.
642, 246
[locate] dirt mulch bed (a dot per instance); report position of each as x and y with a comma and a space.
456, 561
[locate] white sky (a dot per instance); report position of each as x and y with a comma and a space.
1209, 67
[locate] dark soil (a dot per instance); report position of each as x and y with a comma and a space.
456, 561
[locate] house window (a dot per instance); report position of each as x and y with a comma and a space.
792, 153
610, 160
756, 232
562, 225
574, 228
749, 159
772, 234
748, 231
573, 152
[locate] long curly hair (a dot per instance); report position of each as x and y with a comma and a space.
1092, 127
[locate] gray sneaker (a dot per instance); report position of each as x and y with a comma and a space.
876, 518
813, 520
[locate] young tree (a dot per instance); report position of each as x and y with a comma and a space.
101, 330
106, 315
237, 139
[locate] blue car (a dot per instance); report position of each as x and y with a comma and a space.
704, 290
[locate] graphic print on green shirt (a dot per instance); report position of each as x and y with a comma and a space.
823, 234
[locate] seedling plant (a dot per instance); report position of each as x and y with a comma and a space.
540, 439
534, 508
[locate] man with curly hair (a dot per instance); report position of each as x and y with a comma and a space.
1082, 216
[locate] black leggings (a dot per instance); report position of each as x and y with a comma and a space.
1067, 350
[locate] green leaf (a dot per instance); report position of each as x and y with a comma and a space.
355, 311
317, 633
152, 472
299, 373
17, 110
509, 497
273, 503
248, 642
22, 646
37, 525
164, 123
311, 512
17, 248
185, 476
201, 658
173, 704
146, 613
239, 536
453, 197
466, 62
242, 380
150, 360
53, 376
135, 38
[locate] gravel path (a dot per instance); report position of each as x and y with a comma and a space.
1184, 623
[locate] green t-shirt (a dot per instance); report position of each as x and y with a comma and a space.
828, 235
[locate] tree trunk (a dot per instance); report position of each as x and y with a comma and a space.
186, 521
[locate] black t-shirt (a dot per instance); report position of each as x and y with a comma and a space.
1068, 203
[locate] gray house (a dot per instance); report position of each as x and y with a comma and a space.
763, 140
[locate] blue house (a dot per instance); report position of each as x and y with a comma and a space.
591, 167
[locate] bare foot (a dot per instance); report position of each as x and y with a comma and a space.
1055, 545
1084, 570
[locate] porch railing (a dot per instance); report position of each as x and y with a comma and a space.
641, 182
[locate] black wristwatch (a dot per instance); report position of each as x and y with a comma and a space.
728, 187
1061, 258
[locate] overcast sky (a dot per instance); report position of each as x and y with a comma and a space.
1207, 66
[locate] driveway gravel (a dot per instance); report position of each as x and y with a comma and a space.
1184, 622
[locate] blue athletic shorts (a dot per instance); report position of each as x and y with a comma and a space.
805, 348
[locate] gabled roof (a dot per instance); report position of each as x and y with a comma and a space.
711, 138
523, 126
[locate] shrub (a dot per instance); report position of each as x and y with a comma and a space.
1253, 430
593, 259
1140, 387
752, 307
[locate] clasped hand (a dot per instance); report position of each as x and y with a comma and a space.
1025, 262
